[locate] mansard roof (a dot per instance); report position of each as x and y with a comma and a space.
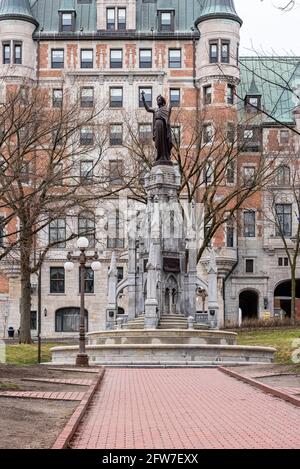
213, 9
16, 9
277, 80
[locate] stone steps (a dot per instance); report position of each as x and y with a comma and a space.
168, 321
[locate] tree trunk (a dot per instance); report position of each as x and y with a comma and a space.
293, 294
25, 306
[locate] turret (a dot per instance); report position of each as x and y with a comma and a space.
217, 55
17, 25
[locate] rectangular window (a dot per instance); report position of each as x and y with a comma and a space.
57, 280
115, 237
57, 98
24, 173
230, 94
121, 19
86, 172
166, 21
116, 97
116, 171
175, 97
2, 231
145, 133
148, 96
87, 97
207, 133
230, 172
213, 52
283, 261
116, 134
110, 19
249, 266
284, 137
230, 235
284, 219
249, 175
86, 136
225, 51
209, 172
87, 227
17, 53
57, 58
231, 132
88, 280
66, 22
6, 53
207, 94
86, 58
145, 58
33, 320
57, 233
120, 271
116, 58
249, 224
174, 58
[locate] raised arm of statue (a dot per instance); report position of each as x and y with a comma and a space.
148, 108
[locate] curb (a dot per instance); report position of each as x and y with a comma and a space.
63, 440
263, 387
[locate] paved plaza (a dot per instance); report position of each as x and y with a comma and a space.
185, 409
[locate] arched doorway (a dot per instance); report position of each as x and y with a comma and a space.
283, 297
248, 302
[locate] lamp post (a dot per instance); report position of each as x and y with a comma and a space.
82, 358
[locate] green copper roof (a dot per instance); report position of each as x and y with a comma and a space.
16, 9
218, 9
275, 80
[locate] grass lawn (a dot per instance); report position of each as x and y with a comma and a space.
17, 354
281, 339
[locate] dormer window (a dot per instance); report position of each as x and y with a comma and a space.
116, 19
253, 102
67, 22
166, 21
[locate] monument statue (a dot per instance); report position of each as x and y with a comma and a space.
162, 134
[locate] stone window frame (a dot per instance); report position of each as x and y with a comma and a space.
286, 139
283, 261
86, 176
61, 64
57, 103
57, 280
115, 141
116, 23
142, 138
148, 63
174, 103
87, 103
249, 234
55, 228
212, 59
171, 62
247, 259
120, 63
230, 94
86, 64
287, 234
149, 101
122, 97
225, 59
17, 44
206, 95
87, 281
4, 60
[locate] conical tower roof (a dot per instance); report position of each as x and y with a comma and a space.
253, 90
16, 9
218, 9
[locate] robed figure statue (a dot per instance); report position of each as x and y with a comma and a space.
162, 134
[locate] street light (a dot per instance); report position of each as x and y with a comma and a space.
82, 358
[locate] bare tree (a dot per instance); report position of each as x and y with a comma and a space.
282, 213
52, 163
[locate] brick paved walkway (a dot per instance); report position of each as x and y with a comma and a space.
56, 396
73, 382
185, 409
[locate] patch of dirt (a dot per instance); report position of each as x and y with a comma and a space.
34, 423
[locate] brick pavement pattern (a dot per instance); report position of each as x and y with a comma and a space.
185, 409
73, 382
56, 396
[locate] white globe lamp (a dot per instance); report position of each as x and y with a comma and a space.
82, 243
96, 266
69, 266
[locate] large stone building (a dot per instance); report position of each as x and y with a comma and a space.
187, 51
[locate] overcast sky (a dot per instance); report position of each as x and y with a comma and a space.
268, 30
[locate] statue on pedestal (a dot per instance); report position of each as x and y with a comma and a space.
162, 134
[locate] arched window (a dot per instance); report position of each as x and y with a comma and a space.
283, 176
68, 320
87, 226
